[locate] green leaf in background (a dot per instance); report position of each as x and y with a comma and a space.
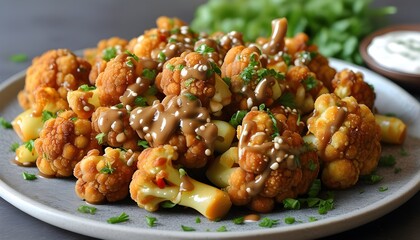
336, 26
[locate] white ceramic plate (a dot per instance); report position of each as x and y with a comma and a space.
54, 201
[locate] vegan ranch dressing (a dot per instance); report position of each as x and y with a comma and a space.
399, 51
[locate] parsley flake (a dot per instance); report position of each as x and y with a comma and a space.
86, 88
310, 83
325, 206
289, 220
237, 118
387, 161
383, 189
14, 146
28, 176
123, 217
86, 209
239, 220
197, 220
190, 96
187, 229
130, 54
149, 73
287, 99
222, 229
290, 203
151, 221
143, 143
161, 57
47, 115
268, 222
100, 138
109, 53
315, 188
18, 58
5, 124
108, 169
167, 204
140, 101
204, 49
30, 145
312, 219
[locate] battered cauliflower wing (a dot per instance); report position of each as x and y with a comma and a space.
348, 83
59, 69
270, 164
111, 127
63, 142
158, 179
105, 178
347, 138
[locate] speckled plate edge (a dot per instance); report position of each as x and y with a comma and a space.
305, 230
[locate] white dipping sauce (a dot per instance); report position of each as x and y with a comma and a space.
399, 51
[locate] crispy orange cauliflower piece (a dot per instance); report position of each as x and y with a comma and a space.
59, 69
158, 179
63, 142
348, 83
347, 138
105, 178
111, 127
105, 50
270, 164
120, 72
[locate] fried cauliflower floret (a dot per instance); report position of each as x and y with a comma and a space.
180, 121
48, 99
347, 138
105, 178
322, 69
120, 72
83, 101
158, 179
167, 23
250, 83
63, 142
304, 86
58, 69
112, 128
192, 74
270, 164
105, 50
348, 83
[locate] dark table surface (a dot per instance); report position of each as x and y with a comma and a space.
32, 27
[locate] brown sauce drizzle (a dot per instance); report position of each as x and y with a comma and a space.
133, 90
159, 122
112, 120
274, 151
332, 127
186, 184
276, 42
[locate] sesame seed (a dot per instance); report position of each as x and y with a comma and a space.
202, 128
145, 129
207, 152
128, 107
184, 72
276, 146
86, 108
138, 80
248, 190
274, 166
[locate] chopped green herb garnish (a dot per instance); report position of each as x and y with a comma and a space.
261, 107
143, 143
404, 152
287, 99
306, 57
161, 57
312, 219
310, 83
182, 172
248, 72
129, 63
151, 91
30, 145
290, 203
237, 118
119, 105
227, 80
239, 220
170, 67
268, 222
274, 120
187, 229
28, 176
14, 146
287, 58
382, 189
325, 206
18, 58
108, 169
264, 72
372, 178
387, 161
46, 115
86, 209
197, 220
149, 73
315, 188
204, 49
73, 119
190, 96
313, 201
167, 204
172, 40
86, 88
140, 101
130, 54
312, 166
222, 229
123, 217
188, 82
5, 124
390, 114
100, 138
109, 53
214, 69
179, 67
151, 221
397, 170
289, 220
